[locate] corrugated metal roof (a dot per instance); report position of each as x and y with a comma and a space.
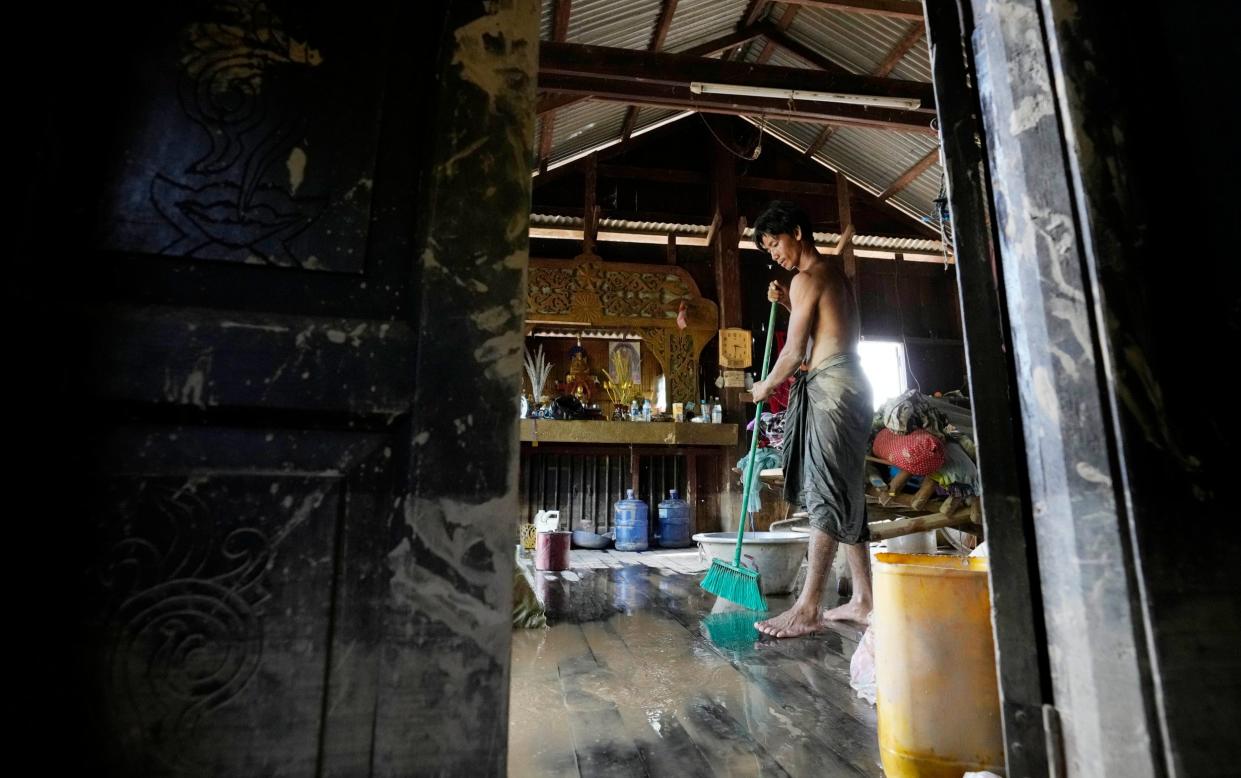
584, 125
873, 159
859, 42
799, 135
876, 158
575, 222
650, 116
698, 21
771, 13
649, 119
779, 56
916, 65
628, 24
877, 242
920, 195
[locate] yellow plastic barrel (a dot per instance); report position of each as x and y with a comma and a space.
939, 708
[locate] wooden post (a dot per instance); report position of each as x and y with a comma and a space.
727, 264
635, 469
691, 488
846, 223
1016, 604
590, 211
728, 296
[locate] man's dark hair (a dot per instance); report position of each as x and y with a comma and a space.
782, 217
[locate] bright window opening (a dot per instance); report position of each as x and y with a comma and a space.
883, 361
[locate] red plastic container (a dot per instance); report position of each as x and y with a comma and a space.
551, 551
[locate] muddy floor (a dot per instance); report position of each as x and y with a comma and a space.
637, 676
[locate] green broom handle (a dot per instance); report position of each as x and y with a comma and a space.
758, 420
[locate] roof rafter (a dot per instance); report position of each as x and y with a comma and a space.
752, 13
777, 36
560, 28
642, 68
894, 56
552, 102
907, 178
898, 52
786, 19
662, 25
680, 96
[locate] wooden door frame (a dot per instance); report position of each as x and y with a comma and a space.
1085, 441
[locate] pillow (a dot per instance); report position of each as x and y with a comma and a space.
919, 452
883, 443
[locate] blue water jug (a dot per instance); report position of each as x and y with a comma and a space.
674, 523
631, 517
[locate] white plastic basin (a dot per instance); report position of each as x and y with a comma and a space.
776, 555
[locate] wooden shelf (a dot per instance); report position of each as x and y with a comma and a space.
653, 433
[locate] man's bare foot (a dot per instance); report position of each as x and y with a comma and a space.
794, 622
850, 611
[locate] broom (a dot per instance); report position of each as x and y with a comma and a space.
734, 582
731, 632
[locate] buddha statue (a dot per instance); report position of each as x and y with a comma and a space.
580, 382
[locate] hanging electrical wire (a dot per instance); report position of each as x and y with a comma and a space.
941, 219
758, 146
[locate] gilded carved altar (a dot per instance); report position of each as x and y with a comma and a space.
660, 303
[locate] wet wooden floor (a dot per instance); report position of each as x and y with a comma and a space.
637, 677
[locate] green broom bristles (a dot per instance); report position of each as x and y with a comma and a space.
732, 631
735, 584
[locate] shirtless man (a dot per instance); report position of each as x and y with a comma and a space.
827, 426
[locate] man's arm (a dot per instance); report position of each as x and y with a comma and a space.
802, 297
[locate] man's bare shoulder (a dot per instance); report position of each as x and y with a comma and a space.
813, 281
809, 280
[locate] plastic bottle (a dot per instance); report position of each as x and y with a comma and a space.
717, 413
674, 522
630, 517
646, 410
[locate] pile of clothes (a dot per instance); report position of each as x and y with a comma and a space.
768, 455
929, 437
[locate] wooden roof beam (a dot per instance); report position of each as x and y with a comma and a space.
662, 24
724, 42
547, 129
909, 175
824, 135
902, 47
894, 56
786, 19
752, 12
749, 17
785, 186
551, 102
674, 96
777, 36
643, 67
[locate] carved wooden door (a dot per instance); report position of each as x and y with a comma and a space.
300, 244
